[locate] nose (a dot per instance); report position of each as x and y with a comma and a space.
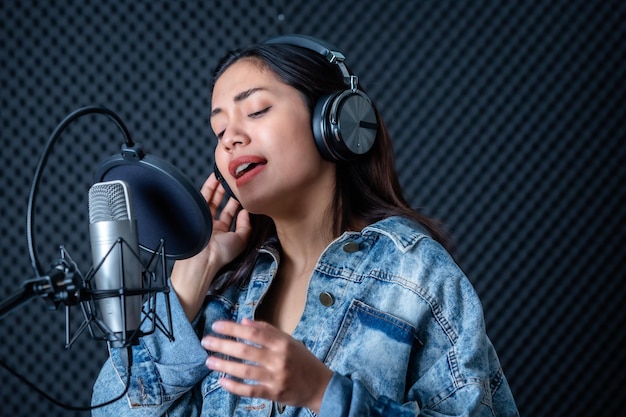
234, 135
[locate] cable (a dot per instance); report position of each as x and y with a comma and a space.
61, 404
32, 250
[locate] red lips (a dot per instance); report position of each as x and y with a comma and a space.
245, 168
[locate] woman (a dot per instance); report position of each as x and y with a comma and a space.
329, 295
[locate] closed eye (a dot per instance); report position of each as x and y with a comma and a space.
260, 112
253, 115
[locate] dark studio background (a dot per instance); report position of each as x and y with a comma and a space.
508, 123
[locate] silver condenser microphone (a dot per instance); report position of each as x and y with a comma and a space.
115, 245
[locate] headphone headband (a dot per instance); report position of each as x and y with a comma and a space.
331, 54
307, 42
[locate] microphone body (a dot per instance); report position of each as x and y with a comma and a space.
115, 249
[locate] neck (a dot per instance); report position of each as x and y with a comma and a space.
304, 240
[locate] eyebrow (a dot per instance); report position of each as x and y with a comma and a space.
239, 97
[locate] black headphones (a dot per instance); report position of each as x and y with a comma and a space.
344, 122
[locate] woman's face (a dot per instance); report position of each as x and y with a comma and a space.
265, 149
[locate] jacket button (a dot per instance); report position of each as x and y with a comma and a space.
326, 299
351, 247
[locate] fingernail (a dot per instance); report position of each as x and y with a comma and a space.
206, 343
210, 362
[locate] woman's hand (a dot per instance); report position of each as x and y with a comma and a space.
191, 277
278, 367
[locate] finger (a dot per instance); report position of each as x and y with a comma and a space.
251, 380
216, 198
243, 227
213, 193
230, 210
243, 371
242, 389
232, 348
258, 333
209, 187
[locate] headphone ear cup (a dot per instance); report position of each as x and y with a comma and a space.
321, 131
344, 125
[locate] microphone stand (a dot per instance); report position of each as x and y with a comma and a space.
65, 284
62, 284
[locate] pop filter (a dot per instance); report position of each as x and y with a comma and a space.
166, 204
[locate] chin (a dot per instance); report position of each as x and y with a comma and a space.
264, 205
253, 205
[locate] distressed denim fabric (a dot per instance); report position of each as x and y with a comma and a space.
387, 310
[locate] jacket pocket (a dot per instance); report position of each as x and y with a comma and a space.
373, 347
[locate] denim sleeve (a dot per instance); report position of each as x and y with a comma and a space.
163, 373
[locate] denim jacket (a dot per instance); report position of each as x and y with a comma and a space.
387, 310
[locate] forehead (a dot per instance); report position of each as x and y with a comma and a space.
242, 75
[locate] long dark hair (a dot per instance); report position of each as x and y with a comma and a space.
367, 189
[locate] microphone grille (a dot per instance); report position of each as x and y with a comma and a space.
108, 201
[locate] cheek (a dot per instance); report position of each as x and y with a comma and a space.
301, 139
220, 161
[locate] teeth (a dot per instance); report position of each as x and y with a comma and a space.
241, 168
